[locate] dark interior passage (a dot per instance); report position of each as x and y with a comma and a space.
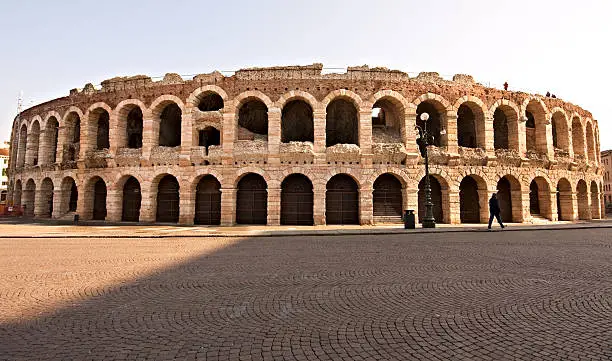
170, 126
252, 200
342, 123
342, 200
168, 200
297, 199
131, 200
297, 122
208, 201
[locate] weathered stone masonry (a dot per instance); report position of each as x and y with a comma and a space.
293, 146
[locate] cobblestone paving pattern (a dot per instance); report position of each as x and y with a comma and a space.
543, 295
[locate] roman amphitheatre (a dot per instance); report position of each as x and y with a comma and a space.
293, 145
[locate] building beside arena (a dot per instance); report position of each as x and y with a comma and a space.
290, 145
4, 161
606, 162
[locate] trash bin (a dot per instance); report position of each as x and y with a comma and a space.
409, 219
76, 218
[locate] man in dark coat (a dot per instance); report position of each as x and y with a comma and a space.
494, 211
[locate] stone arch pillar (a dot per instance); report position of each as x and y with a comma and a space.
147, 134
227, 142
522, 139
451, 136
409, 131
366, 205
274, 204
39, 200
186, 203
410, 200
187, 133
274, 139
228, 206
525, 204
319, 140
489, 144
113, 136
114, 206
365, 134
148, 202
319, 203
58, 202
574, 199
85, 197
550, 149
554, 214
453, 214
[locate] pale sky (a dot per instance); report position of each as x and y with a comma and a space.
50, 47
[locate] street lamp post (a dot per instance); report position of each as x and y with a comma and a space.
424, 140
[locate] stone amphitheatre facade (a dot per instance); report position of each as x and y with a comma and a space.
291, 145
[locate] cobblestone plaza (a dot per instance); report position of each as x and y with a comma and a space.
521, 295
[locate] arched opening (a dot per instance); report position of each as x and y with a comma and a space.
45, 209
72, 137
535, 127
530, 131
342, 123
565, 205
49, 152
22, 146
594, 201
297, 199
208, 201
29, 198
168, 200
252, 200
470, 126
131, 201
387, 121
534, 199
73, 197
577, 138
253, 120
469, 201
210, 102
583, 200
209, 136
133, 129
590, 143
560, 131
436, 114
98, 129
33, 144
500, 131
17, 193
170, 126
387, 196
342, 200
297, 122
436, 199
99, 200
510, 199
539, 198
129, 127
69, 196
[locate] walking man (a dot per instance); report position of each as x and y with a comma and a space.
494, 211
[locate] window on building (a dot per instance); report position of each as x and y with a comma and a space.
4, 172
